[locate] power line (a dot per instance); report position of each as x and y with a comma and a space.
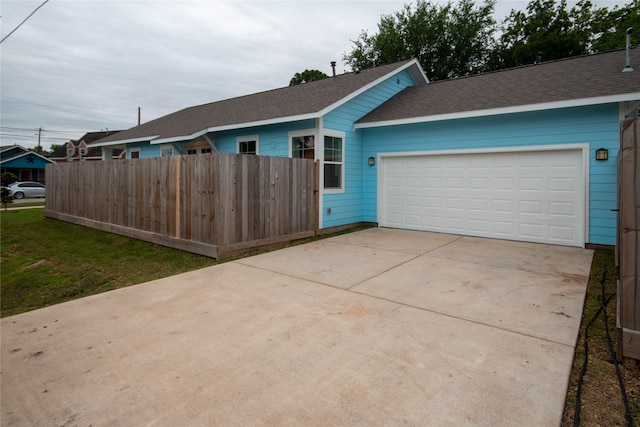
13, 135
47, 106
43, 130
23, 21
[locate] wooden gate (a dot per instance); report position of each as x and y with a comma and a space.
628, 318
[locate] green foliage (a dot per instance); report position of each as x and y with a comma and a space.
448, 40
5, 197
307, 76
54, 147
456, 39
8, 178
545, 32
611, 27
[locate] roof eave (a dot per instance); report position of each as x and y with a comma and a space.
235, 126
26, 153
123, 141
503, 110
413, 68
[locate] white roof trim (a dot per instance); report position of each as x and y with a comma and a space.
123, 141
236, 126
504, 110
11, 147
419, 72
376, 82
26, 153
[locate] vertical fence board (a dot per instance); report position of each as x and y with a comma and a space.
213, 199
629, 238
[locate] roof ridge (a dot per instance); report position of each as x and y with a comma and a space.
519, 67
313, 82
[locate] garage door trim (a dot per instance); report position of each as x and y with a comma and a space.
582, 147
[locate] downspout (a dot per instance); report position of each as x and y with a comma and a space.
320, 159
628, 68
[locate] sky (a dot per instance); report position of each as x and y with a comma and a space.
80, 66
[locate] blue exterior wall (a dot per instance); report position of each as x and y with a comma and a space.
596, 125
146, 150
23, 163
346, 207
273, 140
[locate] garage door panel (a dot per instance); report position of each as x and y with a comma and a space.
531, 196
479, 205
529, 207
565, 209
562, 184
503, 183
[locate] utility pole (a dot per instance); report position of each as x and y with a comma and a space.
38, 148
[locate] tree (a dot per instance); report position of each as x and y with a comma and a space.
448, 40
54, 147
307, 76
5, 195
7, 178
611, 27
545, 32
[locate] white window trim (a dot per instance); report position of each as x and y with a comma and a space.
248, 138
335, 134
162, 147
134, 150
305, 132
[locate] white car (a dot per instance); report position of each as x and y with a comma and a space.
20, 190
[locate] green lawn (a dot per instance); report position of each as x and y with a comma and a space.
45, 261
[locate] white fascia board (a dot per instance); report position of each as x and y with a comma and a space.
235, 126
504, 110
277, 120
26, 153
11, 147
123, 141
376, 82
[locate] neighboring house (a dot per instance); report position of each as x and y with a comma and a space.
508, 154
81, 150
26, 165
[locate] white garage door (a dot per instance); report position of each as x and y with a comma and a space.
529, 196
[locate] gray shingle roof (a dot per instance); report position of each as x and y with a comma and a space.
304, 99
570, 79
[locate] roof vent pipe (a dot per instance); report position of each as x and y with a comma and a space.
333, 67
628, 67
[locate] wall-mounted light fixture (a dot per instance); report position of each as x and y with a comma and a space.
602, 154
372, 161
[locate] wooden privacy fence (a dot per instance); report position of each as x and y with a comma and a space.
211, 204
628, 318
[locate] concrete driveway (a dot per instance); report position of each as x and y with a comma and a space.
379, 327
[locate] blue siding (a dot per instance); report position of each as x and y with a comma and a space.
23, 163
146, 150
595, 125
273, 139
346, 208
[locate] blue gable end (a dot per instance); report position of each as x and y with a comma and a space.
597, 126
26, 162
346, 207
